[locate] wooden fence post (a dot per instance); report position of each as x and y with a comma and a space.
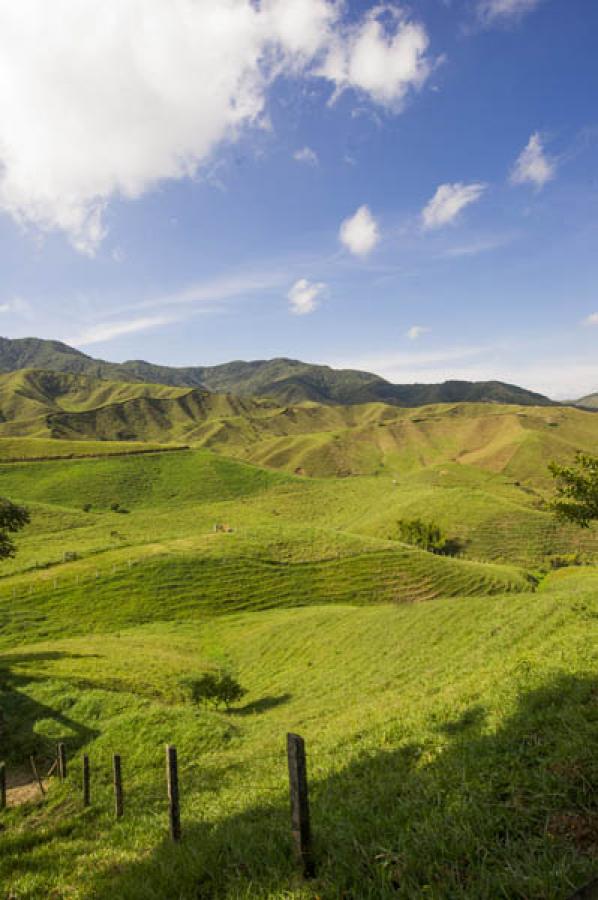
2, 786
172, 778
86, 783
300, 825
118, 786
40, 783
62, 761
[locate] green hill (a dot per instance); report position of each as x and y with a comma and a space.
285, 380
314, 439
448, 703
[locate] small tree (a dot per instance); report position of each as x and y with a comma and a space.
12, 519
215, 688
576, 497
428, 536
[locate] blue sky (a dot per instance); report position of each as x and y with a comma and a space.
410, 189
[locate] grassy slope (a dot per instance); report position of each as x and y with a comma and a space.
450, 752
321, 440
450, 741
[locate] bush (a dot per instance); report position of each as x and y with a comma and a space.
87, 507
428, 536
215, 688
116, 507
564, 560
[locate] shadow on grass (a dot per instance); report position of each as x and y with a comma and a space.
259, 706
510, 813
20, 715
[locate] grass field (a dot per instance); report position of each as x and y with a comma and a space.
449, 705
451, 751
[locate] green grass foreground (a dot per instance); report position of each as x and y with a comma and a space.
449, 706
451, 752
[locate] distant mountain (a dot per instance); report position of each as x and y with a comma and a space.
590, 401
287, 381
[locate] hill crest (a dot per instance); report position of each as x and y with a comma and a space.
287, 381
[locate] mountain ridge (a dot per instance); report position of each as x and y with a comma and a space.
285, 380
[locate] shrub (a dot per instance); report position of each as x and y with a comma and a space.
428, 536
87, 507
215, 688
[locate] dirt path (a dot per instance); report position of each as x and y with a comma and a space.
22, 787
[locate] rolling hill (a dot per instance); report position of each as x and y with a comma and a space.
284, 380
448, 705
313, 439
590, 401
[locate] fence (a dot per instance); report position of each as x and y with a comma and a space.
298, 789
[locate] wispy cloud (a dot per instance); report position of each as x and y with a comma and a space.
306, 155
416, 331
564, 377
18, 306
108, 331
476, 246
492, 12
533, 166
592, 319
448, 202
218, 290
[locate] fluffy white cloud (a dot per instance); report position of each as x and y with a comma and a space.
104, 99
303, 296
447, 203
416, 332
384, 55
107, 331
306, 155
592, 319
360, 233
491, 11
532, 165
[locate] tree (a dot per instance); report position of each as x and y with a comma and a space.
12, 519
428, 536
576, 497
215, 688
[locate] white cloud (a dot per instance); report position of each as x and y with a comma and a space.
360, 233
592, 319
476, 246
306, 155
18, 306
107, 331
303, 296
108, 99
217, 290
384, 56
496, 11
564, 377
532, 165
447, 203
416, 332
